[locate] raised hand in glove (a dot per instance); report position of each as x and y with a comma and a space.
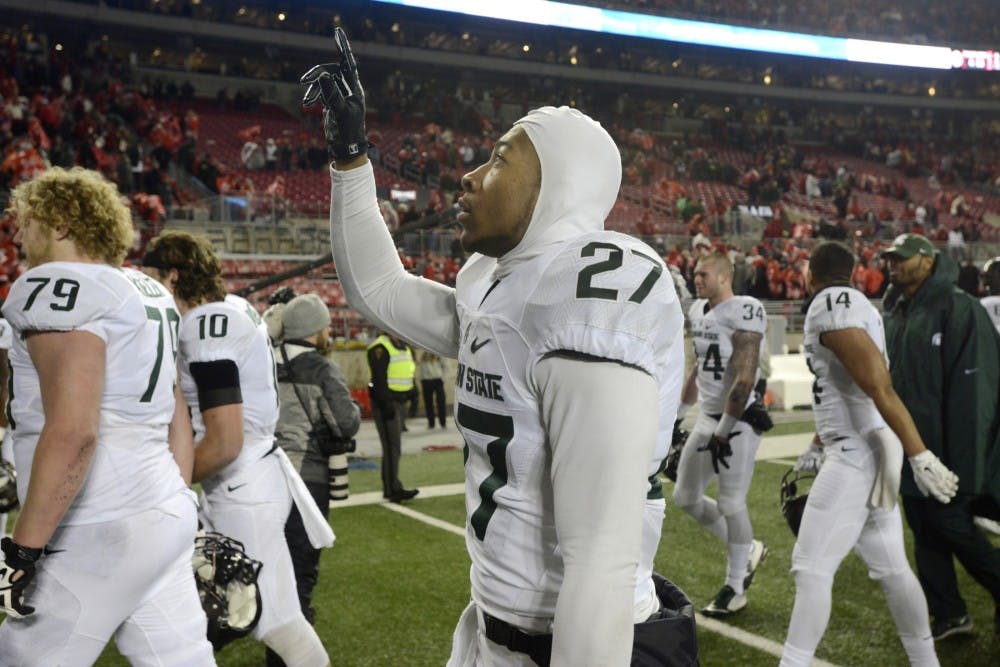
933, 477
718, 446
336, 86
810, 460
16, 571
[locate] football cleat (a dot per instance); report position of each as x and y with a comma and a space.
758, 553
726, 603
942, 628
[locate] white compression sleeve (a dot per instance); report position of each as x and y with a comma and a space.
601, 420
374, 281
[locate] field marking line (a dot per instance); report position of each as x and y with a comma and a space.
425, 518
729, 632
749, 639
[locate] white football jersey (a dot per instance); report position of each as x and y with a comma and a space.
992, 306
132, 469
6, 335
839, 405
233, 330
602, 294
712, 332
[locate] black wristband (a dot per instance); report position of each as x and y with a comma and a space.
18, 555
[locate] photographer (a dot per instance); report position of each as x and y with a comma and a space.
316, 425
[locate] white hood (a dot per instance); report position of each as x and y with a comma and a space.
581, 174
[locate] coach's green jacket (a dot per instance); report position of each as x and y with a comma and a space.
944, 357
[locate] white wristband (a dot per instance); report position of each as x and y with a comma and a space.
726, 425
682, 410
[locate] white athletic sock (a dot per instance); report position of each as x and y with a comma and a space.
909, 611
795, 657
736, 565
920, 651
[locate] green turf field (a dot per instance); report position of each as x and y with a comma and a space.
392, 588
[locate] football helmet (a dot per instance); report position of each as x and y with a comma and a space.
227, 585
8, 487
793, 499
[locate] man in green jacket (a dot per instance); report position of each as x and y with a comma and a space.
944, 356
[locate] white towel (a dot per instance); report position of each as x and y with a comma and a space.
317, 527
890, 466
203, 513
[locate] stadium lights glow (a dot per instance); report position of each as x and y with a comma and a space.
630, 24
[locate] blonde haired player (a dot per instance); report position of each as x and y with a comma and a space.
92, 401
728, 335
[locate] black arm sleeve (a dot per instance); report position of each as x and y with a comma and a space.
218, 383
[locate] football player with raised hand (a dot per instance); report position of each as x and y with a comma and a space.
227, 376
569, 342
103, 543
728, 336
852, 503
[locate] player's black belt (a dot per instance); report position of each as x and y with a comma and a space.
536, 647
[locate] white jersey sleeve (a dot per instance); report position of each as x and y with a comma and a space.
838, 308
605, 295
58, 296
6, 335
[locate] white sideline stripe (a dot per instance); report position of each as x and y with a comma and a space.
375, 497
429, 520
749, 639
727, 631
781, 462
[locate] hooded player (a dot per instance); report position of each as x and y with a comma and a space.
569, 341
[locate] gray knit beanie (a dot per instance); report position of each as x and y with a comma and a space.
304, 316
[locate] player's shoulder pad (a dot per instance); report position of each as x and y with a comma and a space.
606, 295
697, 309
63, 296
838, 307
218, 330
152, 290
743, 313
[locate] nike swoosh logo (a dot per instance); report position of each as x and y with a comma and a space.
476, 345
847, 449
49, 552
970, 371
238, 486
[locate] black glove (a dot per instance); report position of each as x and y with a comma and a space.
336, 86
16, 559
720, 450
283, 295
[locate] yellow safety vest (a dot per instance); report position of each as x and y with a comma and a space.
399, 376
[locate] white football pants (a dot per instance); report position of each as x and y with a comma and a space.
837, 518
